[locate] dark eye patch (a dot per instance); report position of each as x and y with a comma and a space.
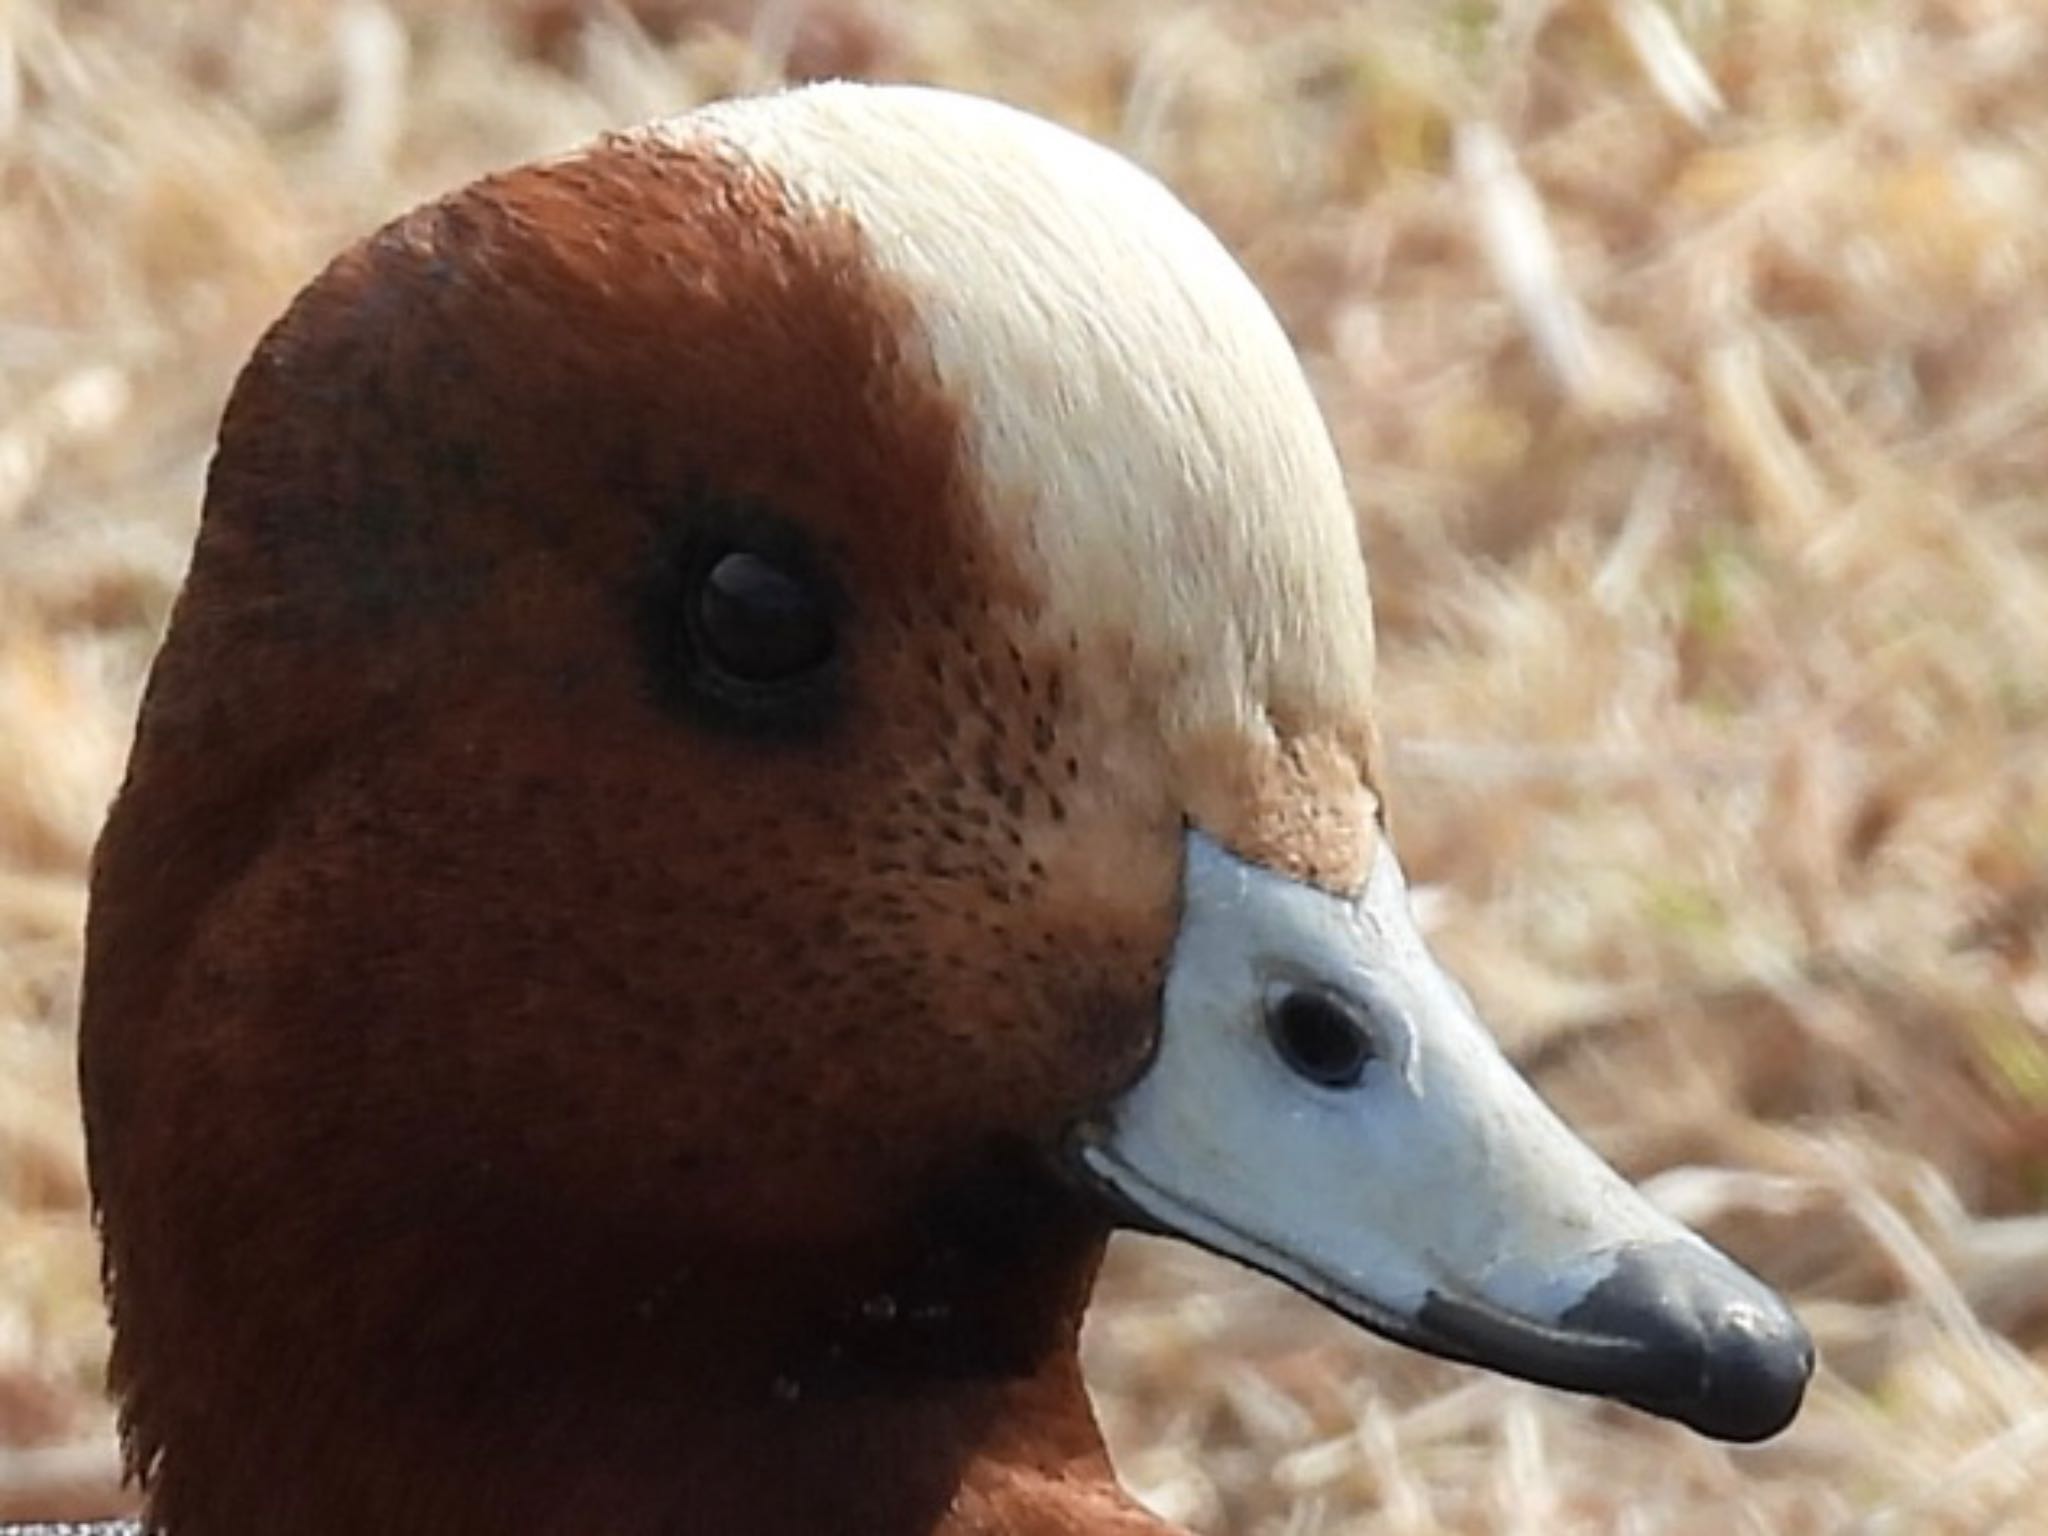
741, 622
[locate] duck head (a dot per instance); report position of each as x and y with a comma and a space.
770, 731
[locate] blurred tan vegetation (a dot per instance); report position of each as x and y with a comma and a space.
1690, 363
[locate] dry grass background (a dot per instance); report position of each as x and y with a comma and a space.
1691, 367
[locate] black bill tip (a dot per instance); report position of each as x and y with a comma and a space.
1675, 1329
1722, 1352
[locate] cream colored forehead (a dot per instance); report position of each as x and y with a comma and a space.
1138, 421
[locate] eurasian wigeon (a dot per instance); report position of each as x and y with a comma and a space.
770, 733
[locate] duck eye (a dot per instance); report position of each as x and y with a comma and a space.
742, 626
1320, 1037
757, 622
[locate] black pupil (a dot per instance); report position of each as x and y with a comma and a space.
757, 622
1320, 1038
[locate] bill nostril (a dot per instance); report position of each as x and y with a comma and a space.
1319, 1035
